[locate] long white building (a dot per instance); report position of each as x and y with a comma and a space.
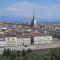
42, 39
18, 43
24, 40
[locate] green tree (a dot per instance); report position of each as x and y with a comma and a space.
29, 51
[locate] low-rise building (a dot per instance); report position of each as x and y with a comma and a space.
17, 42
42, 39
24, 40
11, 40
2, 41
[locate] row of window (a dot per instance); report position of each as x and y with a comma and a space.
17, 48
41, 40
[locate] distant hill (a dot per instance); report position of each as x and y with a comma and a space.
21, 19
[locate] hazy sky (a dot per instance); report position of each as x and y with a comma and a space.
45, 9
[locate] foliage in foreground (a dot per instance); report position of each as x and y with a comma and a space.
53, 54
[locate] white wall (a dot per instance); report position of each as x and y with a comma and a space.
11, 40
25, 41
42, 39
2, 42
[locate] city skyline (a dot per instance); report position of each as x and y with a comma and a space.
46, 10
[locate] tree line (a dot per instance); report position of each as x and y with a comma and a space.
53, 54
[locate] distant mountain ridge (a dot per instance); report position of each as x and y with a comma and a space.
24, 19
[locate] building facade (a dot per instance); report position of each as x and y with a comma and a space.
26, 40
21, 42
42, 39
11, 40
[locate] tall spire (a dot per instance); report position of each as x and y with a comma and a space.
33, 23
34, 14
